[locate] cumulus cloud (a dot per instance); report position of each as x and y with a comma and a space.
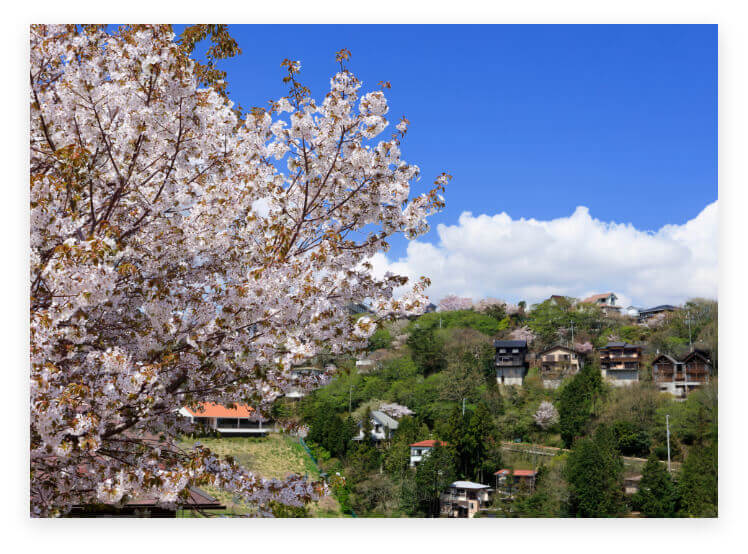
528, 259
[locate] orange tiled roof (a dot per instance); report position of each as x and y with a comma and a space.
429, 443
210, 409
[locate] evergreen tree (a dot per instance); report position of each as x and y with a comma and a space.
576, 402
697, 482
433, 476
427, 350
657, 496
595, 475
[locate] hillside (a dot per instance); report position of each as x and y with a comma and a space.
441, 366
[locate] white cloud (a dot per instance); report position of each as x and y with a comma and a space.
527, 259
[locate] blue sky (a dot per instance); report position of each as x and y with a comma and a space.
531, 120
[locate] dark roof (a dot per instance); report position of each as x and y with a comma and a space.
669, 358
661, 308
510, 343
620, 345
696, 352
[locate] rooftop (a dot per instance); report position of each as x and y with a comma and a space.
430, 443
510, 343
468, 485
211, 409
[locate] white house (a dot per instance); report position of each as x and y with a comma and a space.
464, 499
382, 427
419, 450
606, 301
240, 420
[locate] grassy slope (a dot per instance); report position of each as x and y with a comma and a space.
273, 457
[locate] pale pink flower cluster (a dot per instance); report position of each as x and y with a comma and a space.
546, 415
452, 302
173, 263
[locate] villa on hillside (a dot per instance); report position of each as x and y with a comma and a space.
619, 363
419, 450
605, 301
656, 313
679, 377
382, 427
510, 481
511, 361
557, 363
239, 420
464, 499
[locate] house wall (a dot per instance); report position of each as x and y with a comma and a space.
510, 376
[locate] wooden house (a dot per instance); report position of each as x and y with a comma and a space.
679, 377
511, 361
620, 363
557, 363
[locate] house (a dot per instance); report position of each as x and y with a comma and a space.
619, 363
656, 313
632, 311
605, 301
557, 363
240, 420
382, 427
198, 500
464, 499
558, 300
508, 481
419, 450
511, 361
679, 377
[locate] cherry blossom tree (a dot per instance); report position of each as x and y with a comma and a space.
174, 262
451, 302
546, 415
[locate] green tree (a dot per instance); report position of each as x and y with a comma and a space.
576, 402
657, 495
433, 476
697, 482
380, 339
594, 472
427, 350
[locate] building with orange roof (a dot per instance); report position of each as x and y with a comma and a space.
419, 450
240, 419
509, 481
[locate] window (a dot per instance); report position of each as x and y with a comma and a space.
502, 350
515, 350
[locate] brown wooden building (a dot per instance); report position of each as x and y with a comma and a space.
679, 377
620, 363
557, 363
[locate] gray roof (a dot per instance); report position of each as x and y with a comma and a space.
510, 343
384, 419
673, 360
620, 345
468, 485
662, 308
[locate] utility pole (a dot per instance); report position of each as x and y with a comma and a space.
688, 320
572, 334
667, 427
